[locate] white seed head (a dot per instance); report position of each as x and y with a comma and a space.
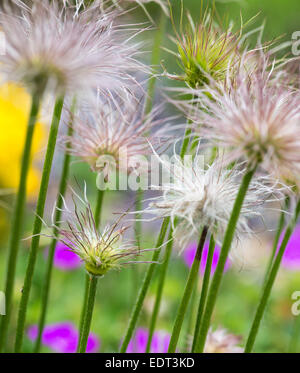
200, 196
65, 47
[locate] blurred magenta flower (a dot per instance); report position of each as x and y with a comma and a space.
65, 259
160, 342
291, 256
63, 337
190, 252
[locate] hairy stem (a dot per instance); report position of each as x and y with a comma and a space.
38, 222
150, 271
92, 288
270, 282
155, 59
186, 140
161, 282
191, 317
97, 214
279, 230
144, 287
215, 285
204, 290
187, 292
98, 208
61, 192
138, 234
83, 308
164, 227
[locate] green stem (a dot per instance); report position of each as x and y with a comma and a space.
164, 267
276, 240
83, 309
99, 207
156, 52
195, 143
89, 313
270, 282
155, 59
17, 219
150, 271
138, 234
145, 286
161, 282
138, 207
191, 317
204, 290
215, 285
38, 222
186, 140
187, 293
61, 192
97, 216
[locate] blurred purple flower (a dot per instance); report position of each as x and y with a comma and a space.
65, 259
160, 342
190, 252
291, 256
63, 337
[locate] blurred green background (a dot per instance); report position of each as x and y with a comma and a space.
116, 293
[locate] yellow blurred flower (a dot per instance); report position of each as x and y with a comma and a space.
14, 110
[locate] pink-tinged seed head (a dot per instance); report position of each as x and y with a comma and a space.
58, 46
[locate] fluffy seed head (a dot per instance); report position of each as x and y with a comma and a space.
101, 251
118, 131
197, 196
65, 47
255, 115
